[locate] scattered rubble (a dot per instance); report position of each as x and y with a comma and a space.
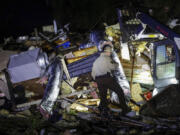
76, 109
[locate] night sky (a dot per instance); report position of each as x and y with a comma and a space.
20, 17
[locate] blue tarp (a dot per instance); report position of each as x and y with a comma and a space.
64, 45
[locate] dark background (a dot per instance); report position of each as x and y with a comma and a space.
20, 17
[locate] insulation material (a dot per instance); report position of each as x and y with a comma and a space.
113, 31
136, 92
113, 34
88, 102
65, 88
79, 108
86, 51
140, 46
142, 72
140, 76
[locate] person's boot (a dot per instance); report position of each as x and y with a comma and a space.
105, 113
10, 105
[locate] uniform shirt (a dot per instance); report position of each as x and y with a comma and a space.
103, 65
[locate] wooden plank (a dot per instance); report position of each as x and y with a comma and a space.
67, 73
36, 102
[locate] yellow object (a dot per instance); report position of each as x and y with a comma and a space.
71, 60
134, 107
78, 107
59, 42
141, 46
140, 75
110, 32
82, 54
152, 36
81, 108
113, 31
89, 101
135, 92
65, 88
86, 51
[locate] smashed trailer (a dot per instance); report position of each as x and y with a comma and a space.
160, 60
165, 62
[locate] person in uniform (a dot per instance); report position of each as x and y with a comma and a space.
101, 73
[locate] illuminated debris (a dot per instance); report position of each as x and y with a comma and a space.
87, 102
136, 92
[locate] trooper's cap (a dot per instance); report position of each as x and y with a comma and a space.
107, 48
104, 44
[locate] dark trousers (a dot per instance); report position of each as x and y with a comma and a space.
107, 82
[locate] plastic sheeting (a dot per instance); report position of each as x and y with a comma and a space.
121, 79
52, 88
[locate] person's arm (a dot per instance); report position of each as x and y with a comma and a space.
112, 65
93, 73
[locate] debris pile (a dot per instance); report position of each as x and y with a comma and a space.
75, 100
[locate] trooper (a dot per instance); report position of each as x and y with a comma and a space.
102, 70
